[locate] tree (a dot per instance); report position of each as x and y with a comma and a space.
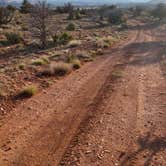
104, 10
40, 21
26, 6
138, 11
6, 14
115, 17
160, 11
69, 8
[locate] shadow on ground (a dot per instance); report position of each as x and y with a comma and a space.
146, 143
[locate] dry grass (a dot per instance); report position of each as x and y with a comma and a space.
39, 62
117, 74
76, 64
74, 43
84, 56
57, 69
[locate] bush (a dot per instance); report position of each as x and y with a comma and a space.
57, 69
71, 27
64, 38
84, 56
6, 14
39, 62
74, 43
99, 52
26, 6
21, 66
76, 64
55, 38
61, 68
71, 16
45, 60
117, 74
28, 91
102, 44
13, 38
159, 11
77, 15
115, 17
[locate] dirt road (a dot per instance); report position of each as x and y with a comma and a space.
110, 112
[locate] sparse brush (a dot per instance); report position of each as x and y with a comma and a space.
28, 91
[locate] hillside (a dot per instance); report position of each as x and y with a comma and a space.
157, 1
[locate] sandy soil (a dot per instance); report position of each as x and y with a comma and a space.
110, 112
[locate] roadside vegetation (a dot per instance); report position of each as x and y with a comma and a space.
36, 40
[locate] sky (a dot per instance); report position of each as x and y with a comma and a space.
87, 0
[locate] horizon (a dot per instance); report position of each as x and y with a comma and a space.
108, 1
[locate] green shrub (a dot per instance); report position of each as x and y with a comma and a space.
28, 91
71, 27
13, 38
64, 38
77, 15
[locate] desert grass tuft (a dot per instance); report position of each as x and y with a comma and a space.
57, 69
28, 91
117, 74
39, 62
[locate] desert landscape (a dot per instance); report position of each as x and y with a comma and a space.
82, 85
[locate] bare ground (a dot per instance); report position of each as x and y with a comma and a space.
110, 112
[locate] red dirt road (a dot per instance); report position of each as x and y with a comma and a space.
91, 117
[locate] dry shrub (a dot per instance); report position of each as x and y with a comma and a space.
28, 91
39, 62
57, 69
84, 56
76, 64
74, 43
